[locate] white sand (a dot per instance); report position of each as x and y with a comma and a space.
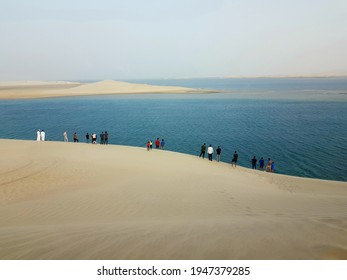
84, 201
38, 89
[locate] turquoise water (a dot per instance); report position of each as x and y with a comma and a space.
300, 123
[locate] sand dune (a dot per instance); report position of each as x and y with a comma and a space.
38, 89
114, 87
80, 201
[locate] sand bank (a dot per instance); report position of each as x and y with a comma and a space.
38, 89
83, 201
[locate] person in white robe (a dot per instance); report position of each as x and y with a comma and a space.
65, 137
43, 135
38, 137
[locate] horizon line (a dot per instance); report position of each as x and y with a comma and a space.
184, 78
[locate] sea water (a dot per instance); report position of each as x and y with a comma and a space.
301, 124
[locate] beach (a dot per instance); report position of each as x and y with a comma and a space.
82, 201
49, 89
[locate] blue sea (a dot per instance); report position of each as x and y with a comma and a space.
300, 123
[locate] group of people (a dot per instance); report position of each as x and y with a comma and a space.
158, 144
270, 166
210, 152
103, 138
93, 137
41, 135
66, 139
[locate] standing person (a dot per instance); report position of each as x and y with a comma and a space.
235, 158
102, 138
157, 143
218, 150
151, 144
272, 166
38, 136
65, 137
148, 145
75, 139
43, 135
94, 138
87, 137
162, 144
106, 138
261, 164
254, 163
268, 165
210, 152
203, 150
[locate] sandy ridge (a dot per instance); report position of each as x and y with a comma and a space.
82, 201
41, 89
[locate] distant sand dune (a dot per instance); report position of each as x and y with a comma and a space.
37, 89
109, 87
79, 201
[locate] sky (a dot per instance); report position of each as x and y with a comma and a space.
160, 39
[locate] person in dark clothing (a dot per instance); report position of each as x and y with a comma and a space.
75, 139
87, 137
254, 162
261, 164
102, 138
203, 150
106, 138
218, 151
234, 160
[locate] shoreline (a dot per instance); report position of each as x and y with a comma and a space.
121, 202
186, 154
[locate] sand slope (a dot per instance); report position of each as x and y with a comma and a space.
33, 89
37, 89
80, 201
114, 87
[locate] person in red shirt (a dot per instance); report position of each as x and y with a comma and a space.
157, 143
148, 145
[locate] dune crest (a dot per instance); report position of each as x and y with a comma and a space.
82, 201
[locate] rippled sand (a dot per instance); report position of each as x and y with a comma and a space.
83, 201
